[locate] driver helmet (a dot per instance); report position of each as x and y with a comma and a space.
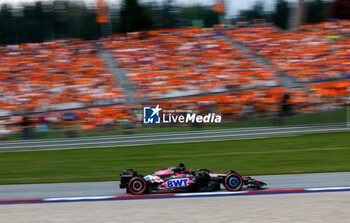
182, 167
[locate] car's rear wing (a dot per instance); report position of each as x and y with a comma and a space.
126, 176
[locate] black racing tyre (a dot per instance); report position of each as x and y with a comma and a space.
233, 182
137, 185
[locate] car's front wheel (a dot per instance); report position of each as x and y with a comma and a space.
137, 185
233, 182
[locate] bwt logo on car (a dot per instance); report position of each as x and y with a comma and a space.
151, 115
177, 183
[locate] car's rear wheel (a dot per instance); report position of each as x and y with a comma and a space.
137, 185
233, 182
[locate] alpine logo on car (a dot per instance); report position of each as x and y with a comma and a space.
153, 179
177, 183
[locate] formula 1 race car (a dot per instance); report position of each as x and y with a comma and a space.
178, 179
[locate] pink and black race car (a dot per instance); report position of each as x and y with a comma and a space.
178, 179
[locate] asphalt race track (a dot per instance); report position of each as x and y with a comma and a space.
111, 188
283, 208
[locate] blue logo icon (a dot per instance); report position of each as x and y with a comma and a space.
151, 115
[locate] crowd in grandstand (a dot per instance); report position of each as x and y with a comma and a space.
233, 107
70, 74
63, 74
187, 62
312, 53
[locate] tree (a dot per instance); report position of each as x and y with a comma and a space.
315, 11
257, 12
190, 13
168, 15
134, 17
74, 20
281, 14
6, 21
31, 26
340, 9
44, 21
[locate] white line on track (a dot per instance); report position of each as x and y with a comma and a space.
167, 140
177, 195
186, 133
78, 198
328, 188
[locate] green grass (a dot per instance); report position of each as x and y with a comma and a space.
279, 155
302, 119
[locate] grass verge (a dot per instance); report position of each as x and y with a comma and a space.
278, 155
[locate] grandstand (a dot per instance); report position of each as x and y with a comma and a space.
314, 53
188, 62
192, 68
65, 74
